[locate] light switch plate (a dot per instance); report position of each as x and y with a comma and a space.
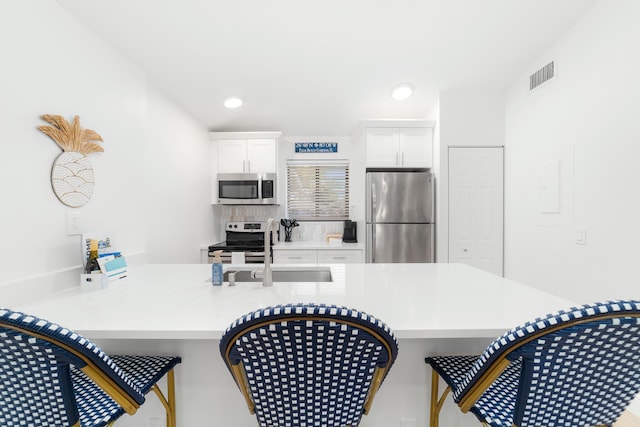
581, 236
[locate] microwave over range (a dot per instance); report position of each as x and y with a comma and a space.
247, 188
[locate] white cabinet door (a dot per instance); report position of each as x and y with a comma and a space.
261, 155
399, 147
415, 147
247, 155
382, 147
476, 207
317, 256
339, 256
295, 256
232, 156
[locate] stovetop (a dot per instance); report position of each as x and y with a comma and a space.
242, 236
225, 246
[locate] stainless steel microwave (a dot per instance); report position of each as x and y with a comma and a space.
247, 188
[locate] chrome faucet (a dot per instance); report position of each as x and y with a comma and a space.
266, 274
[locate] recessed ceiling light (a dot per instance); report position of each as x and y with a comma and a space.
233, 102
402, 91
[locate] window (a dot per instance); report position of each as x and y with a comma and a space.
318, 190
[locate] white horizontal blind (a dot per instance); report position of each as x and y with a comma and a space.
318, 190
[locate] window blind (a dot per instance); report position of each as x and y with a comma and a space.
318, 190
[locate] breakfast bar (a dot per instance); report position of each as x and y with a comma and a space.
174, 309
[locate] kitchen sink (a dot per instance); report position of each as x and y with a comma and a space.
306, 274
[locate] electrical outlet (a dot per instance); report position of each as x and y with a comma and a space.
408, 422
73, 223
581, 236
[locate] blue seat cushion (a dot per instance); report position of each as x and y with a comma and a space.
96, 408
497, 405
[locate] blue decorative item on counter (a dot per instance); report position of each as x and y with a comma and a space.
216, 269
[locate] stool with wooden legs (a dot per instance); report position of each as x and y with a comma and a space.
307, 364
52, 377
577, 367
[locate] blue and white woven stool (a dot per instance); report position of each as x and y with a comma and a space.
52, 377
308, 365
577, 367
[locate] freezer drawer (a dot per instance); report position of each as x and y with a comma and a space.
396, 243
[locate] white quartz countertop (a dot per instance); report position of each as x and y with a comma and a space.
416, 300
316, 244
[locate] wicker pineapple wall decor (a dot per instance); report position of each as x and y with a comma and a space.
72, 176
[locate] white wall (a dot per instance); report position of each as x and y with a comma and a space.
178, 186
150, 189
466, 118
588, 118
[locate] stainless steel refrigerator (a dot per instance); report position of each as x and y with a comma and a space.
399, 216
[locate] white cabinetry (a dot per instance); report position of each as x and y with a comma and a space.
317, 256
300, 256
242, 152
247, 155
339, 256
399, 147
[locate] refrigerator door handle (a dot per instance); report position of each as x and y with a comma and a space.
374, 208
371, 199
369, 246
373, 243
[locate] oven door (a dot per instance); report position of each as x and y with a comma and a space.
246, 189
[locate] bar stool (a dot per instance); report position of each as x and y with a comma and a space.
307, 364
51, 376
577, 367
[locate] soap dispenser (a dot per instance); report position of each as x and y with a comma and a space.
216, 269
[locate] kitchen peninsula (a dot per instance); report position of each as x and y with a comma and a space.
174, 309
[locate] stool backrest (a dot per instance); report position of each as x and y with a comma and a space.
306, 363
35, 379
579, 367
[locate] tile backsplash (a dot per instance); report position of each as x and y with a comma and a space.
307, 231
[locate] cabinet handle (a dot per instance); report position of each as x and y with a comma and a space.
403, 158
295, 257
339, 257
243, 166
248, 165
396, 158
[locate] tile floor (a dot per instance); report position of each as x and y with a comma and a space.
628, 420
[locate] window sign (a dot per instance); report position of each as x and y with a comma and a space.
316, 147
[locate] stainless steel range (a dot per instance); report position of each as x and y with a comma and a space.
245, 237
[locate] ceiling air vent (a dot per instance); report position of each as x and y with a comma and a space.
543, 75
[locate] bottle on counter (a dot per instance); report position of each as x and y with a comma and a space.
216, 269
92, 260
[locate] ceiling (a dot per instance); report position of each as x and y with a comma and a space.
316, 68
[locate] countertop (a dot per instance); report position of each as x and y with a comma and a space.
415, 300
316, 244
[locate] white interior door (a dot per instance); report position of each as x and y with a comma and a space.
476, 207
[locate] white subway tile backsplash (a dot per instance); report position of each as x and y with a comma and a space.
307, 231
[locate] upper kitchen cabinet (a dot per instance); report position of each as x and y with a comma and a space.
246, 152
399, 147
242, 152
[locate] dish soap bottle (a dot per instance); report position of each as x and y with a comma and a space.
216, 269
